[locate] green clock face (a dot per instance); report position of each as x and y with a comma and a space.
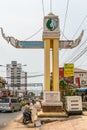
51, 24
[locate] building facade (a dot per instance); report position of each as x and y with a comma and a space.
80, 77
16, 78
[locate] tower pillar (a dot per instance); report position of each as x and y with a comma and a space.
55, 70
51, 35
47, 64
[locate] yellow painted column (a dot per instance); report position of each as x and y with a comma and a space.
47, 64
55, 64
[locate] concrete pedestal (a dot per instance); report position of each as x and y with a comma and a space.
52, 107
52, 102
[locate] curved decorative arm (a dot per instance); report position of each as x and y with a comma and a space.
3, 35
12, 40
69, 44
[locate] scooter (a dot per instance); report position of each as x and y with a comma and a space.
27, 117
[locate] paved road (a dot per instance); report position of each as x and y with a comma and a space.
78, 122
6, 118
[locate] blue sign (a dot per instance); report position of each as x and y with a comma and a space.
32, 44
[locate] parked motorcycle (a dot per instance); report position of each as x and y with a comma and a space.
27, 117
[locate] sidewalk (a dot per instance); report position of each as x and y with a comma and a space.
77, 122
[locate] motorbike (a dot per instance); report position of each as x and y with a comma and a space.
27, 117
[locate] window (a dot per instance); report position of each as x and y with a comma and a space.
4, 100
14, 100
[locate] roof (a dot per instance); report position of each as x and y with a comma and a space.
77, 70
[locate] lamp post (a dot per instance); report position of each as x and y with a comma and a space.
25, 83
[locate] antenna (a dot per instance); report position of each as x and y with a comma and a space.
50, 5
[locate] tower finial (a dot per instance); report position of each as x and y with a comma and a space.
51, 6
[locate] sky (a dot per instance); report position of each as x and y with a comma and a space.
23, 18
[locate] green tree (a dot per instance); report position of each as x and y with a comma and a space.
63, 84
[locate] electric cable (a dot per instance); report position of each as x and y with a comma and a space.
64, 35
78, 30
80, 47
80, 26
43, 8
33, 34
79, 55
40, 28
75, 52
65, 17
65, 22
32, 76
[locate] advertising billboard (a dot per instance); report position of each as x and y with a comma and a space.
68, 70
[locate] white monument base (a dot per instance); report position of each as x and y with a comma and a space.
52, 102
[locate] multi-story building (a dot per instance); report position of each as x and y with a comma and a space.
16, 78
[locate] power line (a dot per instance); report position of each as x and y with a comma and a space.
75, 34
65, 17
80, 26
30, 76
64, 35
33, 34
75, 51
80, 54
40, 28
65, 22
43, 8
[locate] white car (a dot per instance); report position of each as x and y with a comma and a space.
9, 104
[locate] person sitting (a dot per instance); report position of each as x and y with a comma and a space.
27, 111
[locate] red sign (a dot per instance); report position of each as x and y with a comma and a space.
77, 80
67, 79
61, 72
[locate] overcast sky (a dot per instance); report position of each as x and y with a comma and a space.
22, 18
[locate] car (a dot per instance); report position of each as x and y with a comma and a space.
10, 104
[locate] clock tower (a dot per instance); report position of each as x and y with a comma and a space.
51, 36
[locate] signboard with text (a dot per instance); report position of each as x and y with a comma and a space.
32, 44
68, 70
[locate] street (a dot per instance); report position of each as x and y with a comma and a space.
6, 118
76, 122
